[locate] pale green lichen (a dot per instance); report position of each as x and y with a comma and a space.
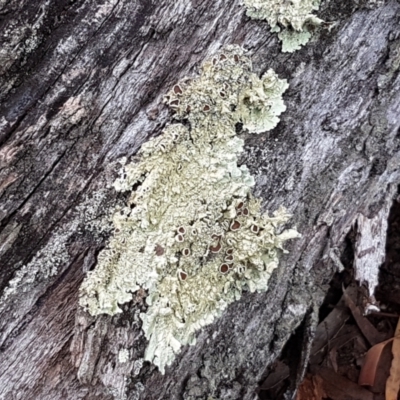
294, 16
137, 366
192, 233
123, 356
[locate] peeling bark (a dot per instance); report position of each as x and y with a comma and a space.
81, 85
371, 244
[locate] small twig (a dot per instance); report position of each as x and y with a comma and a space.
383, 314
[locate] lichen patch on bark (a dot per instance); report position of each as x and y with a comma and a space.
192, 234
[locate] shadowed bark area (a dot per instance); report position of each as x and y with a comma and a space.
81, 85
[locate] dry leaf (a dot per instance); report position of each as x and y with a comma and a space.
332, 324
333, 358
393, 382
371, 362
338, 387
311, 388
368, 330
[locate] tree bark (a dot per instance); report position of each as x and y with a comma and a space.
81, 85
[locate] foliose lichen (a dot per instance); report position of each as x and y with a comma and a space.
294, 16
123, 355
137, 366
192, 234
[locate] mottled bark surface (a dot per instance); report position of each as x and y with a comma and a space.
81, 85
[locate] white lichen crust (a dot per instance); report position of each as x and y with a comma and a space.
192, 234
123, 356
294, 16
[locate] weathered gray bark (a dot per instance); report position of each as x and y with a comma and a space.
81, 85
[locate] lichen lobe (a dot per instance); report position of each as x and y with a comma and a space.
192, 234
293, 19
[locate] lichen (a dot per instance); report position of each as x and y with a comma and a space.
137, 366
192, 234
48, 260
123, 355
294, 16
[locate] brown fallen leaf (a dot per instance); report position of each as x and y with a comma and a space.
311, 388
393, 382
368, 330
329, 328
382, 372
338, 387
347, 334
371, 362
333, 358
